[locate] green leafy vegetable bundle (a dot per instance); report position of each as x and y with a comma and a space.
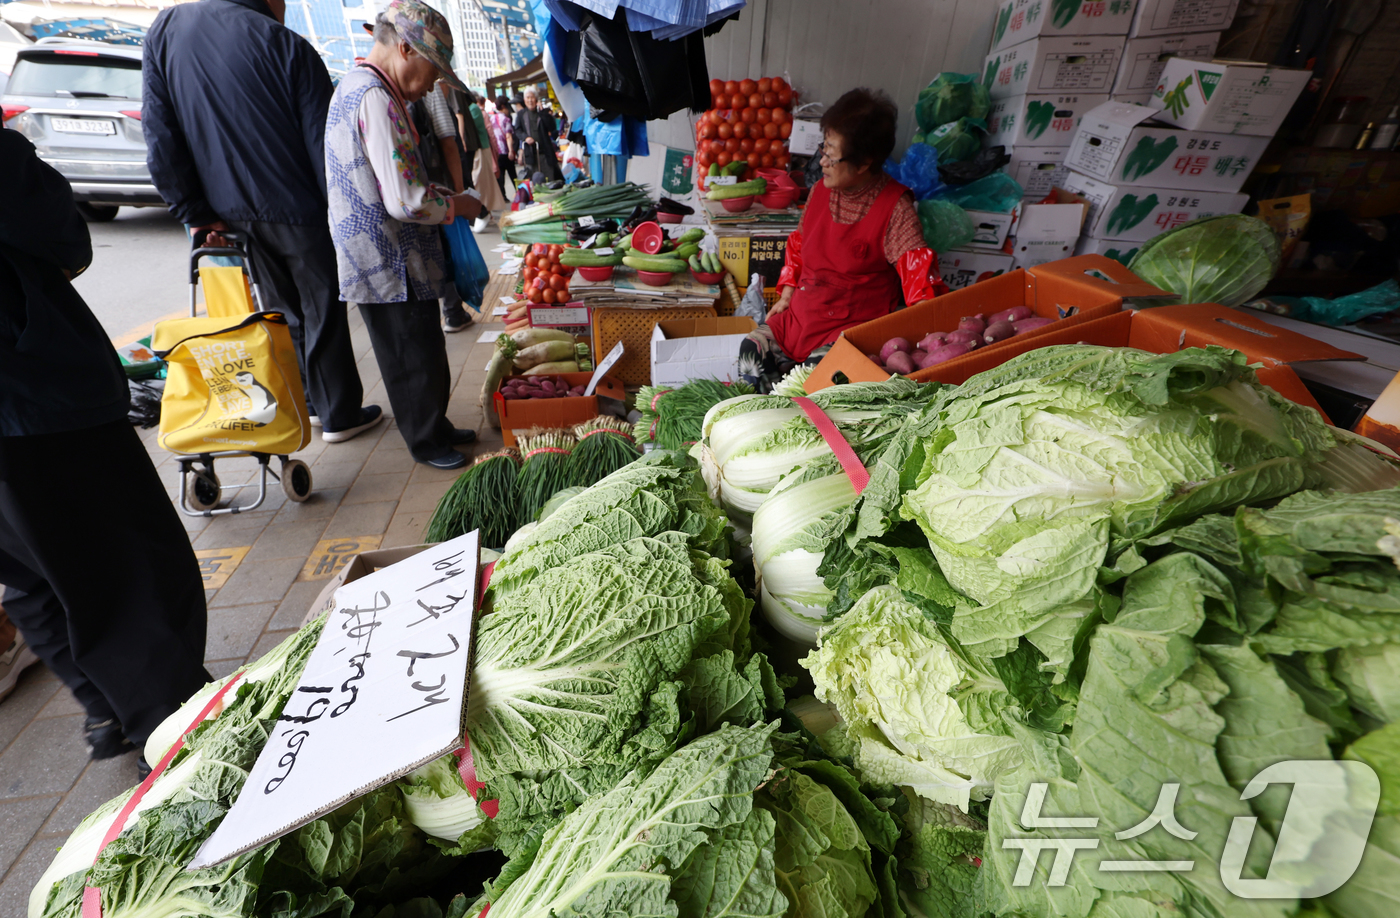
672, 417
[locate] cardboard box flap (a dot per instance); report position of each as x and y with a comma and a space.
1170, 328
1091, 272
1119, 113
669, 329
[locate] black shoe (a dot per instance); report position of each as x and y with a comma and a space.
104, 738
143, 768
461, 436
453, 460
370, 415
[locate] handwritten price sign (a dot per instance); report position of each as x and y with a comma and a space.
383, 693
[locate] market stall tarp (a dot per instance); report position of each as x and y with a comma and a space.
532, 72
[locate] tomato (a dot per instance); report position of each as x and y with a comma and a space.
722, 158
779, 84
747, 115
554, 252
754, 101
527, 275
746, 145
731, 146
780, 116
726, 130
763, 115
708, 131
785, 97
748, 175
738, 100
783, 160
765, 85
741, 130
557, 282
530, 260
785, 130
766, 161
536, 295
731, 86
770, 130
704, 158
547, 296
715, 117
770, 99
747, 86
716, 87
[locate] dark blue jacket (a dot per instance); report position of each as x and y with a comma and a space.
234, 112
58, 370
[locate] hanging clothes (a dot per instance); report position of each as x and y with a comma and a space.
632, 73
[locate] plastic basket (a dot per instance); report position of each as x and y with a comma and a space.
725, 305
633, 327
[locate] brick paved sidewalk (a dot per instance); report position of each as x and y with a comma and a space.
368, 493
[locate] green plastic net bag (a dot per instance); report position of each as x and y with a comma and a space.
946, 225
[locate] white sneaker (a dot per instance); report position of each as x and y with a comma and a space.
14, 661
315, 421
482, 224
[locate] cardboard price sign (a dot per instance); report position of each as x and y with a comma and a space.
745, 256
383, 693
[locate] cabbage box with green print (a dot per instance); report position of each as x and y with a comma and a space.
1021, 20
1114, 144
1134, 213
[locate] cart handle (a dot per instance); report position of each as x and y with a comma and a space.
238, 249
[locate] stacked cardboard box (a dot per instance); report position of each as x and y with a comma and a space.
1146, 170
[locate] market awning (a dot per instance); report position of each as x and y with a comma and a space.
532, 72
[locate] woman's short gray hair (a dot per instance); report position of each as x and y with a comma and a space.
385, 33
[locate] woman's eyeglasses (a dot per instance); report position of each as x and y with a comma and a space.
824, 151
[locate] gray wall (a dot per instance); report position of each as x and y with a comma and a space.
825, 47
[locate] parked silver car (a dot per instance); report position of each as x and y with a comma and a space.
80, 104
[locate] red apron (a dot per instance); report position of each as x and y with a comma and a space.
845, 279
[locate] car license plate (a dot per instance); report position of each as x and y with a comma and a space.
84, 126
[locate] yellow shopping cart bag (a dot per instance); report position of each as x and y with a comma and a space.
231, 386
226, 291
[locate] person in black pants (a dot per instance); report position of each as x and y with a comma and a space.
233, 109
99, 575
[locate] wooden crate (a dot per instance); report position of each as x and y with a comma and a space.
633, 328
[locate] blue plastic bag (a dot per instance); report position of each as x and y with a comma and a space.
918, 171
469, 271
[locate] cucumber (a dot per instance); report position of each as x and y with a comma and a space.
586, 258
603, 240
687, 250
694, 234
714, 168
712, 264
655, 263
736, 168
695, 264
624, 243
737, 190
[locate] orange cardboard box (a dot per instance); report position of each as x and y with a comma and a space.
1073, 290
523, 413
1166, 329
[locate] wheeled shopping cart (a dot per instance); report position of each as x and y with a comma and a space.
233, 387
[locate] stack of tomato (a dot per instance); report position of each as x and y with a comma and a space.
749, 120
543, 279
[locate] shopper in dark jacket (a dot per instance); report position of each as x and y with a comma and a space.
536, 137
99, 575
234, 112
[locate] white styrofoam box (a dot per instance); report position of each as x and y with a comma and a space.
964, 267
1231, 97
1134, 213
1022, 20
1120, 250
1041, 121
1167, 17
1059, 64
1047, 232
1037, 169
1113, 144
1144, 58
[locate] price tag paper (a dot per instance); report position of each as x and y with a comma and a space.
383, 693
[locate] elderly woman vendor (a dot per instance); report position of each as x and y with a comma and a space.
860, 249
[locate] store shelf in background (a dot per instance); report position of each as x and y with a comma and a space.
1364, 183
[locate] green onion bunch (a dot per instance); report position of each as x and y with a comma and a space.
597, 201
482, 497
604, 446
545, 469
672, 418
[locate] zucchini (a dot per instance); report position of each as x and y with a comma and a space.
656, 263
694, 234
714, 168
624, 243
736, 168
737, 190
695, 265
603, 240
687, 250
587, 258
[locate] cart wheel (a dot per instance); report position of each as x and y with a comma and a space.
202, 492
296, 479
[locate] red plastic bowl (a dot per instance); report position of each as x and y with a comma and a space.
647, 237
668, 218
738, 205
706, 277
655, 278
780, 199
596, 274
776, 178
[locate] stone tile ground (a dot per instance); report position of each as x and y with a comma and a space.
367, 487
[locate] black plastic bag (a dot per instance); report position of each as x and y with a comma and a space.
144, 411
970, 170
631, 73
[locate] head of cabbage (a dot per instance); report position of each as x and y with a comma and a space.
1225, 259
949, 97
